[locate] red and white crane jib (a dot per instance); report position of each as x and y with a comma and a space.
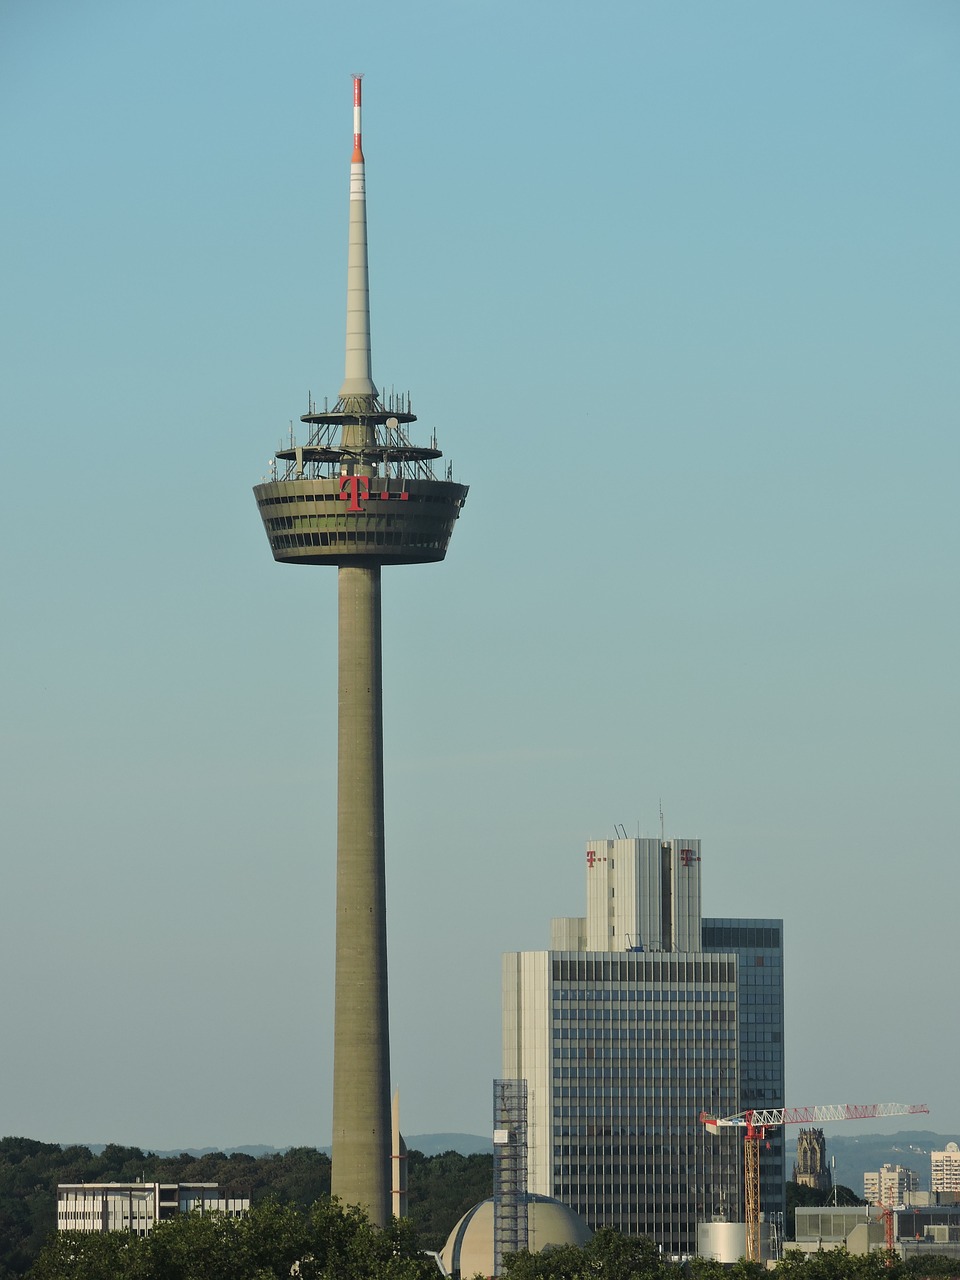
761, 1119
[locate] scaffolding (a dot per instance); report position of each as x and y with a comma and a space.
509, 1169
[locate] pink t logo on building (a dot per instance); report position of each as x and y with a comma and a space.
355, 489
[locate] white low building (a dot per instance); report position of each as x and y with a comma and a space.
136, 1207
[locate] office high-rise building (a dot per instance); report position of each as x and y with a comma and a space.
757, 945
356, 495
640, 1016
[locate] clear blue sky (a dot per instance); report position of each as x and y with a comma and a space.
676, 284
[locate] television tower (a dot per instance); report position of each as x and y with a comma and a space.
358, 494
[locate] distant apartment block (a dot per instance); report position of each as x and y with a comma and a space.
136, 1207
945, 1169
889, 1185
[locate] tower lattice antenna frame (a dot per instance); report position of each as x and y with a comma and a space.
510, 1197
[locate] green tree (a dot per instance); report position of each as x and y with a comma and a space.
836, 1264
935, 1265
77, 1255
608, 1256
325, 1243
440, 1190
706, 1269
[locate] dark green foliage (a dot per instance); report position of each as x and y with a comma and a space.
324, 1243
294, 1221
30, 1171
837, 1264
440, 1190
930, 1266
608, 1256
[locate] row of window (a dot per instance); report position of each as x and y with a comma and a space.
615, 1032
581, 1132
611, 1162
633, 1051
368, 537
666, 968
598, 1099
628, 1017
739, 937
603, 994
376, 495
277, 523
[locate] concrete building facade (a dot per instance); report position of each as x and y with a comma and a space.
890, 1185
945, 1169
136, 1207
918, 1230
641, 1015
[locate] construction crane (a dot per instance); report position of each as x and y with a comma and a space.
886, 1215
755, 1124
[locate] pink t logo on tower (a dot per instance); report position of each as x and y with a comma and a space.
355, 489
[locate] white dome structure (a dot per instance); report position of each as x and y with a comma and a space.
469, 1248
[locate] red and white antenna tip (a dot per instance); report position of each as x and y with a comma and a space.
357, 144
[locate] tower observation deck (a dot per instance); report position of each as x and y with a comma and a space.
359, 494
359, 491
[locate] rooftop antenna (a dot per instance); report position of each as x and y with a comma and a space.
358, 391
661, 819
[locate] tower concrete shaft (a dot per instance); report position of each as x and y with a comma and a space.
361, 1065
359, 494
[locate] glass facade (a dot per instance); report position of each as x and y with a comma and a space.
758, 946
641, 1044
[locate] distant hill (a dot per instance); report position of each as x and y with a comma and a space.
99, 1147
854, 1153
859, 1153
431, 1144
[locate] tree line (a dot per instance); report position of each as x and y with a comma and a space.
294, 1221
610, 1256
441, 1187
276, 1242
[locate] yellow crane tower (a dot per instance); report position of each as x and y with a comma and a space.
755, 1124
